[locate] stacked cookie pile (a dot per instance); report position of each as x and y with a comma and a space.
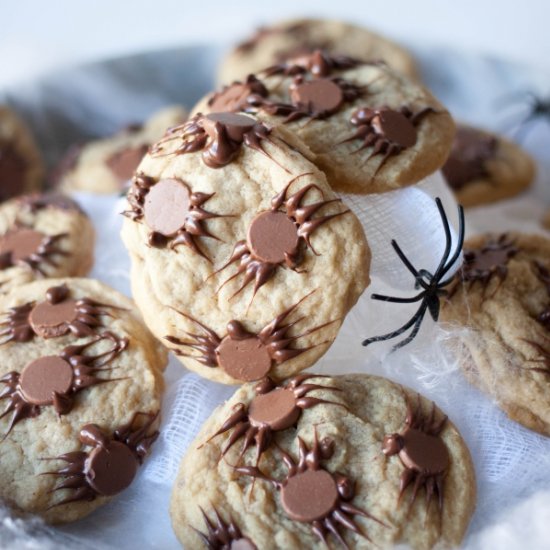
245, 263
81, 376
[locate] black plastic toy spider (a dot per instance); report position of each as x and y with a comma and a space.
536, 107
433, 286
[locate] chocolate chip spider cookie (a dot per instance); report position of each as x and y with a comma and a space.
107, 165
21, 168
243, 260
484, 167
80, 388
368, 128
270, 45
502, 299
43, 235
354, 461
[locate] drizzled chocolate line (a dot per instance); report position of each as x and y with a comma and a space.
24, 246
58, 315
111, 464
422, 452
311, 494
241, 354
223, 535
275, 408
277, 237
220, 137
387, 131
480, 265
172, 211
55, 380
470, 152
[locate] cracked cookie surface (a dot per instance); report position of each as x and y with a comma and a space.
343, 440
104, 370
228, 227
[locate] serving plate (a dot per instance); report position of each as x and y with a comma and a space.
97, 99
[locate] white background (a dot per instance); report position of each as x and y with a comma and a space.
37, 36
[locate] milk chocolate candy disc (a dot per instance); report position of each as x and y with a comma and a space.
44, 377
110, 470
22, 243
276, 409
271, 236
167, 206
50, 320
395, 127
424, 453
318, 96
235, 125
245, 360
309, 496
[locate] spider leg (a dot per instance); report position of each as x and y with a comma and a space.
459, 246
447, 230
415, 319
408, 264
418, 318
397, 300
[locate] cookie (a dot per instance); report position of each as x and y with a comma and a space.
107, 165
21, 168
502, 299
369, 128
243, 260
271, 45
483, 167
355, 461
43, 235
546, 220
80, 388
